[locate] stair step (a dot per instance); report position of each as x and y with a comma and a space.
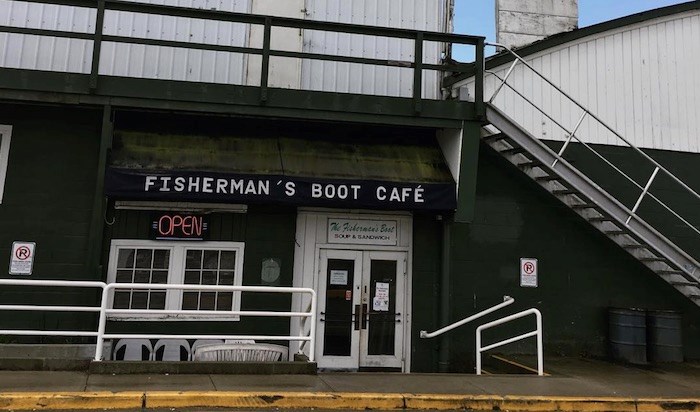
494, 137
652, 259
599, 219
635, 247
584, 206
564, 192
511, 151
669, 272
615, 232
679, 283
547, 178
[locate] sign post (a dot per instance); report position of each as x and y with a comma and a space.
22, 258
528, 272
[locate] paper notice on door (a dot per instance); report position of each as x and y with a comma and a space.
380, 303
339, 277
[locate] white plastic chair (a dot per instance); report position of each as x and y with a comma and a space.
172, 350
242, 352
203, 342
134, 350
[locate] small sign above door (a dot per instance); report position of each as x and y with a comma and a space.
363, 232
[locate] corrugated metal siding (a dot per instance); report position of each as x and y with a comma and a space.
46, 53
642, 80
177, 64
380, 80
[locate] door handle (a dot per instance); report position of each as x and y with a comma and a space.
358, 315
364, 318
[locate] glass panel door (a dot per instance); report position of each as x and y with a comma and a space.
383, 302
361, 309
339, 309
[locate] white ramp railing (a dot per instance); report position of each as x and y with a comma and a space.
537, 332
104, 310
507, 300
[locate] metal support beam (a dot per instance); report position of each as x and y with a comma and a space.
265, 66
445, 286
99, 203
97, 45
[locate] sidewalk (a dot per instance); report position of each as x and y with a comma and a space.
573, 385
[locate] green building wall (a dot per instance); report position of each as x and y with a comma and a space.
49, 192
581, 272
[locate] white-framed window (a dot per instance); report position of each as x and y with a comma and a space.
176, 262
5, 134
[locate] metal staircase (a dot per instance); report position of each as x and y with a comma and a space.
588, 199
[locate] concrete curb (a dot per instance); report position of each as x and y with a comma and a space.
331, 400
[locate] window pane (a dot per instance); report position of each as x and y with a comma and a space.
161, 259
121, 299
193, 259
228, 260
189, 300
211, 259
159, 276
192, 277
125, 258
124, 276
208, 277
139, 300
224, 301
226, 278
142, 276
206, 301
157, 300
144, 258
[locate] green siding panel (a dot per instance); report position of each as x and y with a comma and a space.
48, 200
268, 232
427, 244
581, 272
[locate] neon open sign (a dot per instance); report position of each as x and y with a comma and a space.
179, 226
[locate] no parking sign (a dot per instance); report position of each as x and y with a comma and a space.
22, 258
528, 272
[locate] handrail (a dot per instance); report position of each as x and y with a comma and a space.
571, 134
507, 300
417, 36
104, 310
537, 332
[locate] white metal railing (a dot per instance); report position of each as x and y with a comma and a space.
537, 332
105, 311
51, 308
572, 135
507, 300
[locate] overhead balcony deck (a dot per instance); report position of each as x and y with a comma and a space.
94, 87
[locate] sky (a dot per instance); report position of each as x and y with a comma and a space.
477, 17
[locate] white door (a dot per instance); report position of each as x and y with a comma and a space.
361, 309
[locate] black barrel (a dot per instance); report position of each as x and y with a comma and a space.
665, 339
628, 335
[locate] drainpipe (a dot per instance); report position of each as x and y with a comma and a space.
444, 318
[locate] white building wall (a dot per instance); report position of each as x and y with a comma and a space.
44, 53
429, 15
53, 54
641, 79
